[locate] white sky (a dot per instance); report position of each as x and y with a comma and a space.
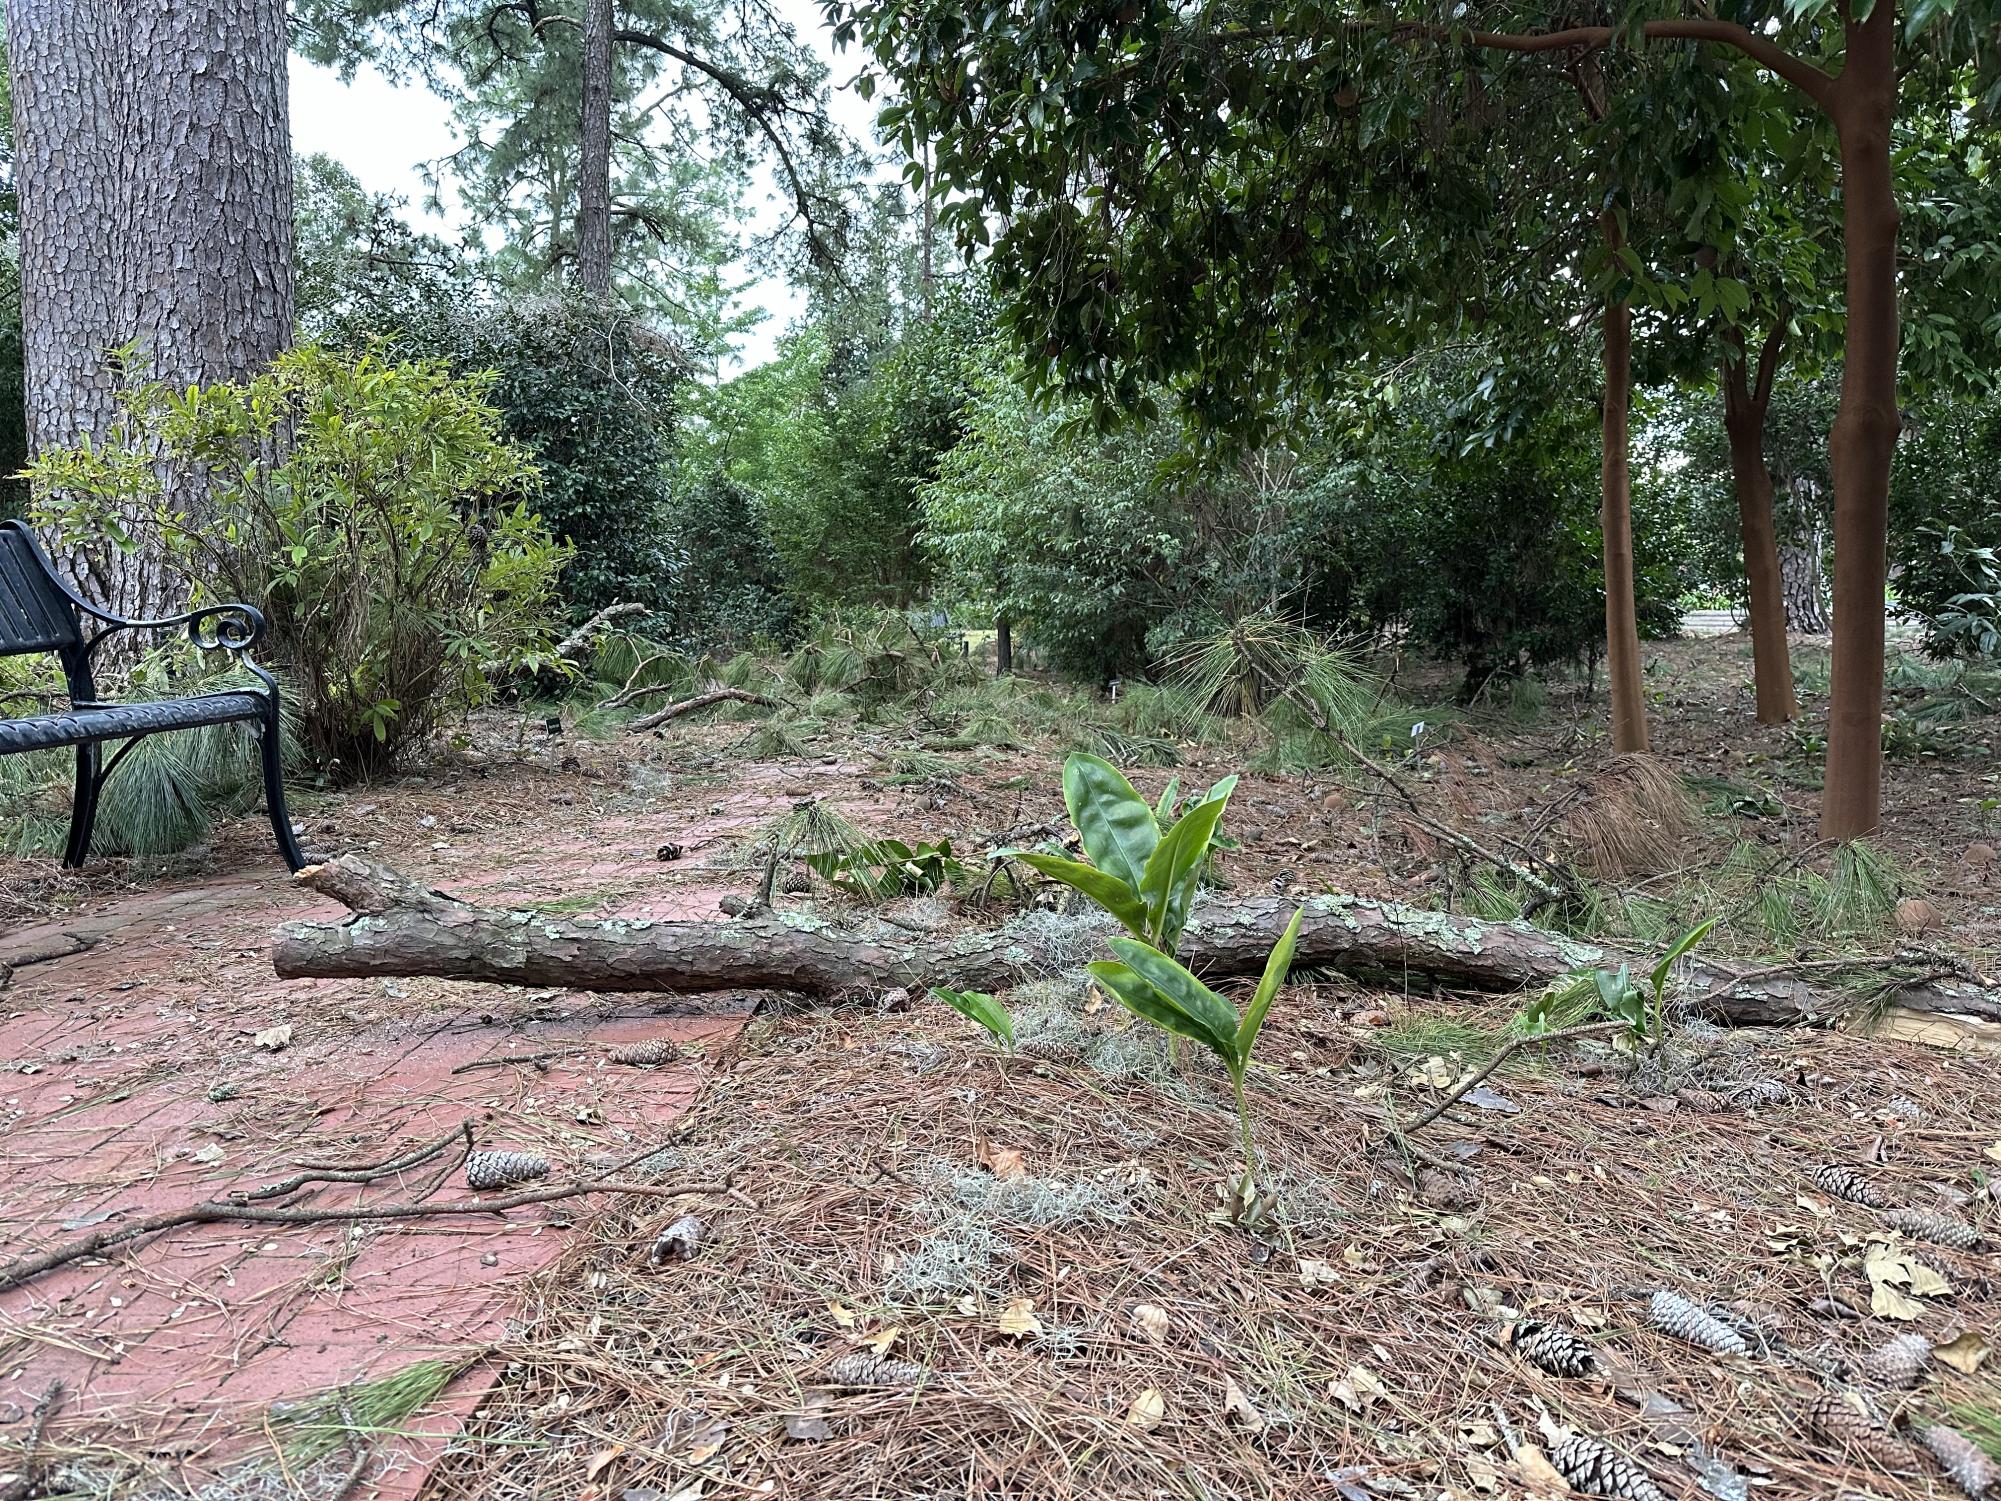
384, 132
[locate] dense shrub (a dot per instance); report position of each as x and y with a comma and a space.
730, 585
1945, 528
374, 511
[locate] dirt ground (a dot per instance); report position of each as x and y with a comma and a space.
899, 1189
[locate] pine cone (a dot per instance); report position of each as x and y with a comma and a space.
1598, 1470
650, 1053
1452, 1193
1844, 1421
795, 883
486, 1170
1969, 1468
1846, 1183
1673, 1314
1761, 1092
862, 1369
1898, 1363
1553, 1348
1936, 1228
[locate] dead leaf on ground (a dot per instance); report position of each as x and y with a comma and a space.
1891, 1272
881, 1340
1151, 1321
1964, 1353
1993, 1152
843, 1315
1538, 1474
1318, 1273
601, 1459
1238, 1408
809, 1424
1147, 1411
274, 1039
1018, 1319
1359, 1389
1002, 1162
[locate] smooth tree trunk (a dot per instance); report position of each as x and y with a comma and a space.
1745, 401
1003, 646
401, 927
594, 157
1622, 628
1863, 107
153, 159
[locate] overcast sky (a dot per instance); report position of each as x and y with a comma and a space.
383, 133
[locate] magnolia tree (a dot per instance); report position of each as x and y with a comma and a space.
1231, 200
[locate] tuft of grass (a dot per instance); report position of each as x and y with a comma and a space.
1860, 893
1417, 1035
1122, 749
319, 1425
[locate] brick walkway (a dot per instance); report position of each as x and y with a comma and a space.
131, 1082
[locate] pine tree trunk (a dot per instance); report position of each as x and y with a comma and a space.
594, 163
1865, 428
154, 163
1744, 407
1622, 631
1802, 579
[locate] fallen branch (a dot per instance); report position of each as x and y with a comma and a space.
699, 701
403, 928
236, 1211
578, 641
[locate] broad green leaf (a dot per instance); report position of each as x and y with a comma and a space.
1140, 998
1116, 825
1177, 859
977, 1005
1183, 991
1108, 891
1164, 809
1277, 965
1681, 946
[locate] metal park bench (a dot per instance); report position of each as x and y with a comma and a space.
40, 613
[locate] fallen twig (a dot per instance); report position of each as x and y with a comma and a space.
1508, 1050
700, 701
572, 646
26, 1268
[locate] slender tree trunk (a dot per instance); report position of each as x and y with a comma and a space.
1622, 629
594, 158
926, 252
1865, 428
1744, 407
1003, 646
154, 162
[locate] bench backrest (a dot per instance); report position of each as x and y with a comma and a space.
35, 613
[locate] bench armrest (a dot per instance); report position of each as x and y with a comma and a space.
232, 627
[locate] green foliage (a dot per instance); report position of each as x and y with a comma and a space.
731, 587
358, 269
883, 869
594, 399
1146, 862
1157, 989
1642, 1007
388, 540
980, 1007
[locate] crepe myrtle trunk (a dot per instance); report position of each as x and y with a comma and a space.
153, 159
594, 158
1622, 629
1745, 401
1863, 106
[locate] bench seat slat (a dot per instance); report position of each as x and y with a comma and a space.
118, 721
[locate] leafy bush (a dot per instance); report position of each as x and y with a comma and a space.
594, 401
1945, 533
731, 587
372, 510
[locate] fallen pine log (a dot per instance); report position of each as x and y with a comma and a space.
400, 927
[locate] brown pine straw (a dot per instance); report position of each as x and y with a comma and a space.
844, 1131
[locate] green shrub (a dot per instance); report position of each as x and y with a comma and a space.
372, 510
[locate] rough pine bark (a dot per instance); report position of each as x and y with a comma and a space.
1622, 630
1745, 400
154, 163
594, 158
1801, 578
1863, 106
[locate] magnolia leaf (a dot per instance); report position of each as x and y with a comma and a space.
842, 1315
1216, 1016
1277, 965
1107, 890
881, 1340
1318, 1273
1002, 1162
1140, 998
